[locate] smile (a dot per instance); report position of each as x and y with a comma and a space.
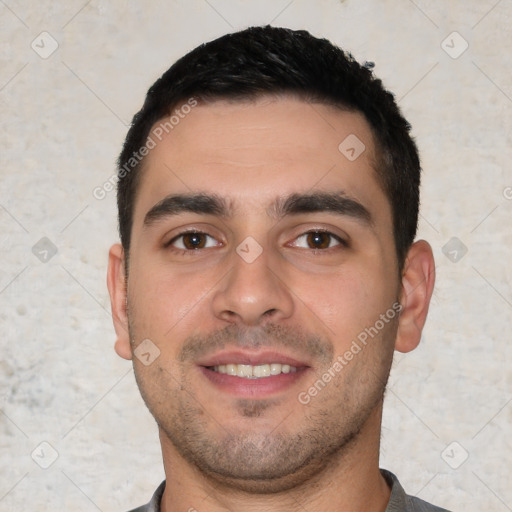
253, 372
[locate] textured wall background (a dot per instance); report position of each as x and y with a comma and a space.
72, 75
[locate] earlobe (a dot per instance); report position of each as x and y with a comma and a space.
117, 287
418, 279
123, 349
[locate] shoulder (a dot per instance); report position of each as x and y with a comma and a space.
399, 501
154, 504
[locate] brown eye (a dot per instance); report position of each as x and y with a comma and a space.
318, 240
192, 241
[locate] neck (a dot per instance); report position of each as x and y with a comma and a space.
349, 480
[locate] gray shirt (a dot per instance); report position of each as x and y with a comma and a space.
398, 501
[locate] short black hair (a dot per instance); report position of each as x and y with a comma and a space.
267, 60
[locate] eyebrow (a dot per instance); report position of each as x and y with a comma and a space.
294, 204
327, 202
203, 204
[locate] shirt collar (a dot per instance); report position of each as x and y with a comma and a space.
397, 500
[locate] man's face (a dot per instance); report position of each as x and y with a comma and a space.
266, 267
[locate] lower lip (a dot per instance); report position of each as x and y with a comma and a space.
253, 388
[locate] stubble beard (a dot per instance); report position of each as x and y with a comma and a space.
274, 459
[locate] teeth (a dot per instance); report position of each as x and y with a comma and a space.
230, 369
244, 370
276, 369
254, 372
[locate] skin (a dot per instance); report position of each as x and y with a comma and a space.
223, 452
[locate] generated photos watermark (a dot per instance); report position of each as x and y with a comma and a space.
305, 397
155, 136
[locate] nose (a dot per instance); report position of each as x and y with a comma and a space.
253, 293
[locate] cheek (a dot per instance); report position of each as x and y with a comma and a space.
346, 301
164, 303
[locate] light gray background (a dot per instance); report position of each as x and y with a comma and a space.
63, 121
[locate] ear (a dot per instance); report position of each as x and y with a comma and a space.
116, 282
418, 279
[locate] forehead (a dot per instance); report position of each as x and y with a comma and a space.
252, 151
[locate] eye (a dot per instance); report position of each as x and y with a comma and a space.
192, 241
318, 240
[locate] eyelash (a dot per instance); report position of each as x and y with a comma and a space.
341, 241
189, 252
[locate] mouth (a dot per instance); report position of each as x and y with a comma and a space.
247, 371
246, 374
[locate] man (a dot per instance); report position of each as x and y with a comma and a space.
267, 271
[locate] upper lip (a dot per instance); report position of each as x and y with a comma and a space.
252, 358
